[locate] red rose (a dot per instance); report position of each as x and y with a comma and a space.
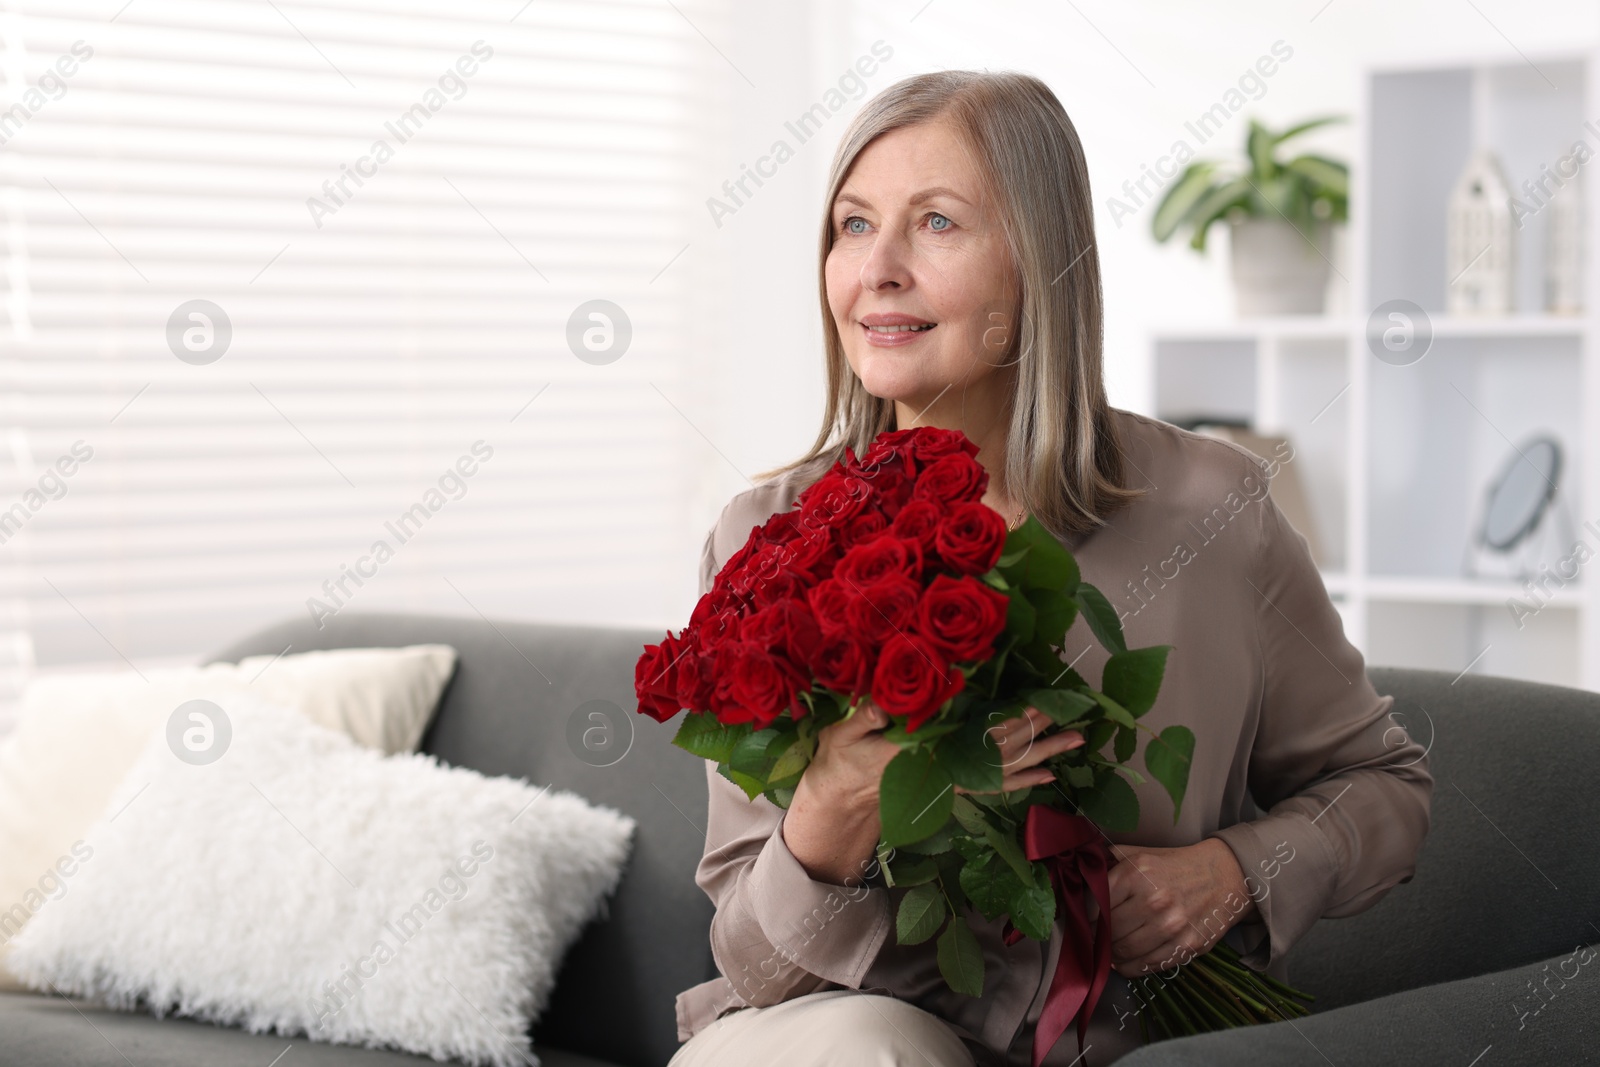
829, 600
720, 628
889, 449
755, 686
913, 679
781, 526
740, 558
918, 521
863, 527
785, 585
932, 442
693, 681
654, 681
719, 600
844, 664
785, 626
951, 479
971, 538
961, 617
883, 608
887, 469
832, 500
885, 554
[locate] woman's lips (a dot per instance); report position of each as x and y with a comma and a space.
895, 336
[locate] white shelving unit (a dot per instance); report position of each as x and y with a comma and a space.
1396, 460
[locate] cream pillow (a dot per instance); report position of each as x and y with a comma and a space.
77, 736
304, 884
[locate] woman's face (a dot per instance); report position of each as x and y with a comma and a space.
920, 281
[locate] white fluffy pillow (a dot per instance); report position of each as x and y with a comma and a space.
78, 734
302, 883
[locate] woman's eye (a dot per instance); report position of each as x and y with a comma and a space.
856, 225
938, 223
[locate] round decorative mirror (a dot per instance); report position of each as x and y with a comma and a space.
1521, 493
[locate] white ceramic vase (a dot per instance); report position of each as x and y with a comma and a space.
1277, 270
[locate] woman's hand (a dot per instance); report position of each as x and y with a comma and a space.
1022, 750
1169, 905
832, 826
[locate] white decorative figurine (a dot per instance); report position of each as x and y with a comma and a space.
1480, 253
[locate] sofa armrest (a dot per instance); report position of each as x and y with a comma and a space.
1539, 1014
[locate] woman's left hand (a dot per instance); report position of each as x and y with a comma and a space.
1169, 905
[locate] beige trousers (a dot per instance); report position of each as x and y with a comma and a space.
836, 1027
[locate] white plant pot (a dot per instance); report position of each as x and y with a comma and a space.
1277, 270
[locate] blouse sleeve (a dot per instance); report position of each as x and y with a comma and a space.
777, 933
1346, 791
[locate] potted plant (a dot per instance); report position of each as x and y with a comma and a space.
1281, 213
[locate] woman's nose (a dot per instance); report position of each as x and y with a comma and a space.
888, 265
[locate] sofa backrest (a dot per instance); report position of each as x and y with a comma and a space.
554, 704
1510, 870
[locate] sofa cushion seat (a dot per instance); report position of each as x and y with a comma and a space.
50, 1031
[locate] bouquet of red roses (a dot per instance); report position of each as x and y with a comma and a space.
890, 580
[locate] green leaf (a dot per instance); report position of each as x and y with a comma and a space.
1004, 843
1061, 705
1114, 711
1127, 741
1033, 908
1054, 612
969, 815
1168, 757
1112, 804
754, 755
910, 872
1020, 616
1311, 124
950, 864
989, 885
960, 959
1258, 146
782, 796
1009, 559
927, 732
753, 787
1325, 175
701, 734
1079, 776
970, 757
1180, 199
793, 760
1045, 564
1101, 616
914, 797
1096, 736
932, 845
1214, 206
921, 912
1133, 678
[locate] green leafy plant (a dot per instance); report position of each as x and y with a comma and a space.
1304, 190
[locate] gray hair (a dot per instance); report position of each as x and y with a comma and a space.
1063, 461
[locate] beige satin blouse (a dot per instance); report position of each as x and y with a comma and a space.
1260, 670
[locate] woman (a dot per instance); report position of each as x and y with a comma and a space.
961, 289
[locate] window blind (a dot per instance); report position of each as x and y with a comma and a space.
280, 277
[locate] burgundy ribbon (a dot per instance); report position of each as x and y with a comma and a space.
1075, 853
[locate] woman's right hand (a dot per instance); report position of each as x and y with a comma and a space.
832, 825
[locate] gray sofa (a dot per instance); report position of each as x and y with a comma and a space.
1476, 951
